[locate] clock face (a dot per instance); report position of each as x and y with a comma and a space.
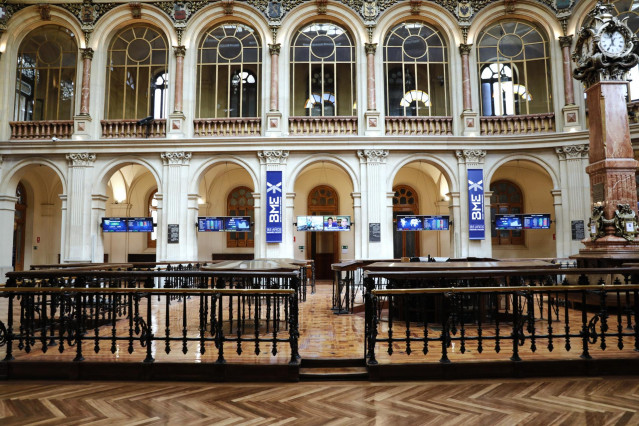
612, 42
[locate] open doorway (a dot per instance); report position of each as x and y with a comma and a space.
323, 246
405, 202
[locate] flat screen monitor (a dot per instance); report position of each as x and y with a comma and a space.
537, 221
410, 223
113, 224
140, 224
310, 223
210, 224
337, 223
435, 223
237, 223
507, 222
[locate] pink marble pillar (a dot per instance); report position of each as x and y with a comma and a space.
179, 51
464, 50
87, 57
569, 94
371, 48
274, 49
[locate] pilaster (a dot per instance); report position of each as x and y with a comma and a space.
7, 217
175, 202
176, 121
377, 211
274, 160
77, 229
98, 211
274, 115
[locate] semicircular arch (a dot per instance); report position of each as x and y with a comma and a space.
446, 170
299, 168
549, 169
105, 173
199, 173
18, 170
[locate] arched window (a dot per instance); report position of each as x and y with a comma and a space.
514, 69
629, 9
229, 70
152, 211
19, 222
405, 202
323, 71
240, 203
137, 74
45, 77
416, 71
506, 199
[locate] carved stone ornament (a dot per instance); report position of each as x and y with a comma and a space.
471, 155
565, 41
370, 10
80, 159
88, 12
596, 223
464, 49
415, 7
274, 49
572, 152
510, 6
321, 6
179, 50
87, 53
45, 12
227, 5
176, 158
373, 155
625, 222
273, 156
136, 10
370, 48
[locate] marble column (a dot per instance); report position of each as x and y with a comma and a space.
176, 121
175, 174
377, 211
274, 116
7, 218
87, 57
275, 160
470, 118
371, 116
78, 227
570, 111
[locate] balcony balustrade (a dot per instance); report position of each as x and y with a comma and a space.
312, 126
240, 126
130, 129
435, 126
61, 129
517, 124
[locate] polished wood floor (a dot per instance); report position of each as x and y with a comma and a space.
580, 401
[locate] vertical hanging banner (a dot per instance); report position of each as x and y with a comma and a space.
476, 218
274, 206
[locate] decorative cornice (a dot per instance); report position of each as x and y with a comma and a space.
87, 53
370, 48
176, 158
572, 152
80, 159
179, 50
373, 155
565, 41
464, 49
273, 156
471, 156
274, 49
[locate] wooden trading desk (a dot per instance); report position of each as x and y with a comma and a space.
460, 266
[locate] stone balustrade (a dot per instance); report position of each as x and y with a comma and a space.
61, 129
517, 124
130, 129
341, 125
236, 126
419, 126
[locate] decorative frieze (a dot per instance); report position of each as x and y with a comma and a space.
572, 152
273, 156
176, 158
80, 159
471, 156
373, 155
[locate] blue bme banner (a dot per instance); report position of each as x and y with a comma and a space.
476, 218
274, 206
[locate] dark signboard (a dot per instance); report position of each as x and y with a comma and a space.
173, 234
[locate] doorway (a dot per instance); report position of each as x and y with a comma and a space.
323, 246
19, 221
405, 202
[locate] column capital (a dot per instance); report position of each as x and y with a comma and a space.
80, 159
565, 41
464, 49
471, 156
176, 158
274, 49
373, 156
572, 152
87, 53
273, 156
179, 50
370, 48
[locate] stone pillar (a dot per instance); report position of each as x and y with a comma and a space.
98, 211
473, 159
177, 118
82, 121
371, 116
259, 246
274, 160
570, 110
274, 116
377, 201
287, 238
470, 118
454, 208
192, 251
360, 237
573, 160
78, 245
7, 218
562, 231
175, 175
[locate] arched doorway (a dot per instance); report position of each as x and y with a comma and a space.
322, 246
405, 202
19, 223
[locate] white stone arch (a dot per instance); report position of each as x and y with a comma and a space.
198, 173
18, 170
577, 17
444, 167
548, 168
105, 173
299, 168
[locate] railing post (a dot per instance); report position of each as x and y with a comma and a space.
147, 329
584, 327
370, 320
293, 329
445, 337
517, 327
8, 337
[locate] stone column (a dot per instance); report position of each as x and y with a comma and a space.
570, 110
562, 230
7, 218
470, 118
177, 118
83, 120
289, 245
371, 116
192, 249
377, 201
78, 245
259, 226
360, 234
573, 160
274, 160
175, 175
98, 211
454, 208
274, 116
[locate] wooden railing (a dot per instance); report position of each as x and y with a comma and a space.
419, 126
227, 127
517, 124
322, 125
61, 129
130, 129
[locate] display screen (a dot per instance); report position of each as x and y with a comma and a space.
310, 223
435, 223
508, 222
536, 221
410, 223
337, 223
113, 224
210, 224
237, 224
140, 224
